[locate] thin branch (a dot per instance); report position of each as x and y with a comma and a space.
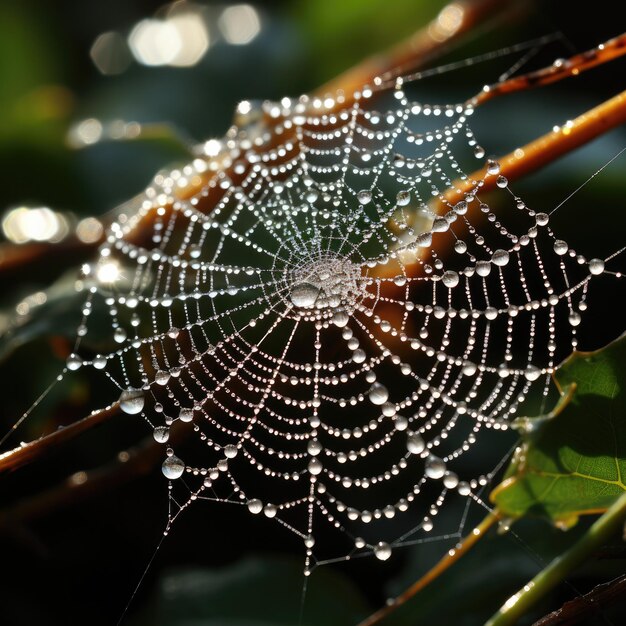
600, 532
454, 21
578, 609
32, 451
560, 69
136, 461
547, 149
447, 561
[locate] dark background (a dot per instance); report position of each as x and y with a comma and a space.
78, 562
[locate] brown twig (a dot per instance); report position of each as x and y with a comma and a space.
560, 69
449, 559
29, 452
135, 461
454, 21
588, 605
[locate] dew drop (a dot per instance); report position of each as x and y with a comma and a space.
574, 318
358, 356
500, 258
560, 247
172, 467
596, 266
493, 167
435, 467
132, 401
479, 152
469, 368
450, 480
340, 318
403, 198
378, 394
255, 506
483, 268
450, 279
532, 372
364, 196
315, 466
382, 550
415, 444
74, 362
230, 451
185, 415
100, 362
270, 510
119, 335
162, 377
314, 447
161, 434
304, 295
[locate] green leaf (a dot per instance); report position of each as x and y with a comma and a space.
258, 592
573, 460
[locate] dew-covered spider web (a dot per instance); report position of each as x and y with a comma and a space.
322, 316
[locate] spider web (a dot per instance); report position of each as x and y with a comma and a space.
317, 333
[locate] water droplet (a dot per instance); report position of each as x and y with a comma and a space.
314, 447
132, 401
270, 510
74, 362
340, 318
483, 268
502, 182
358, 356
450, 279
560, 247
185, 415
460, 246
415, 444
532, 372
435, 467
315, 466
99, 362
469, 368
596, 266
464, 488
194, 251
304, 295
493, 167
255, 506
403, 198
389, 409
161, 377
382, 550
230, 451
309, 541
364, 196
574, 318
172, 467
119, 335
479, 152
161, 434
378, 394
542, 219
450, 480
500, 257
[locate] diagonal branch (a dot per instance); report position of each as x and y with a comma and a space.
448, 560
34, 450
